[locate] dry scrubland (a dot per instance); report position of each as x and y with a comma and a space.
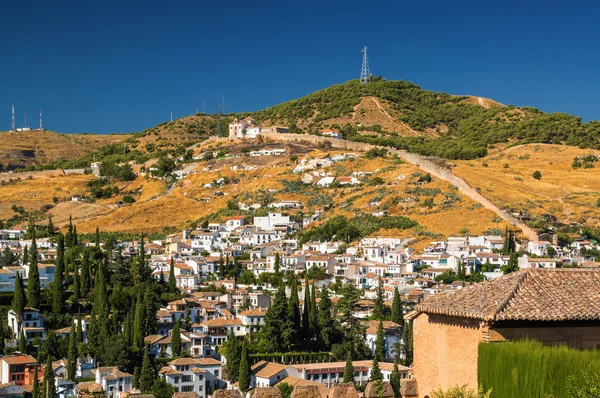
506, 178
33, 148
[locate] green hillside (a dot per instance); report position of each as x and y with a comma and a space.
463, 130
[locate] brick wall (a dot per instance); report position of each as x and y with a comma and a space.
582, 337
445, 352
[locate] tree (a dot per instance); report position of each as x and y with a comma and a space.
244, 373
176, 340
162, 389
57, 287
136, 378
277, 333
233, 354
72, 360
50, 226
285, 389
33, 279
380, 343
312, 315
276, 265
7, 258
537, 175
25, 255
397, 312
349, 370
461, 392
147, 376
294, 306
407, 343
306, 332
49, 389
589, 388
138, 324
222, 268
22, 346
376, 374
379, 309
395, 380
18, 303
172, 281
325, 320
513, 264
35, 390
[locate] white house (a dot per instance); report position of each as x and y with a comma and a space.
113, 381
393, 337
194, 375
269, 222
539, 248
32, 324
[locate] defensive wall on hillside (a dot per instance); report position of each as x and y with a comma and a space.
418, 160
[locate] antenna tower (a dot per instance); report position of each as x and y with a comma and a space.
25, 119
14, 126
365, 73
41, 125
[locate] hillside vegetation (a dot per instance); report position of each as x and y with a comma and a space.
438, 124
22, 149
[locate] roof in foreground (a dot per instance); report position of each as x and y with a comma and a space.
531, 295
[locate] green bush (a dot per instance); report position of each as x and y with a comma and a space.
537, 175
529, 369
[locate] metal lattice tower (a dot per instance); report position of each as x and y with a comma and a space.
365, 73
41, 126
14, 125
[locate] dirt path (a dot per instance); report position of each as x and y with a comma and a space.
424, 164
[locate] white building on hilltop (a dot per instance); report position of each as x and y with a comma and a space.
268, 223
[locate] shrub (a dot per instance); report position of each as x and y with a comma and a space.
537, 175
128, 199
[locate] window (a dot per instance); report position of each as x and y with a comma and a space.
186, 379
216, 373
187, 388
176, 380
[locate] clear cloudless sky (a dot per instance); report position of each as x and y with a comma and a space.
121, 66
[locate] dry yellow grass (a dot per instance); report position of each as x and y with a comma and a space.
569, 194
25, 148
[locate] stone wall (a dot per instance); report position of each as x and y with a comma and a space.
445, 352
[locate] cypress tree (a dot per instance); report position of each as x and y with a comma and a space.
22, 346
176, 340
294, 306
25, 255
35, 390
97, 238
349, 370
395, 380
376, 374
18, 303
57, 285
72, 359
136, 377
76, 282
100, 302
397, 313
84, 283
79, 329
276, 265
325, 321
69, 235
307, 333
128, 328
172, 282
379, 309
138, 324
75, 239
276, 333
244, 373
2, 342
222, 270
380, 343
33, 279
149, 307
407, 343
312, 316
50, 226
234, 354
49, 388
142, 254
147, 376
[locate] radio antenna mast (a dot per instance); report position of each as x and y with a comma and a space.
41, 126
14, 126
365, 73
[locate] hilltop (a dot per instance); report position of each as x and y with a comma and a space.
402, 115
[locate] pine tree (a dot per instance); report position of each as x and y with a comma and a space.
18, 303
380, 343
147, 376
72, 359
379, 309
244, 373
349, 370
395, 380
35, 390
325, 321
294, 306
138, 324
397, 313
33, 279
172, 282
306, 332
22, 346
176, 340
376, 374
407, 343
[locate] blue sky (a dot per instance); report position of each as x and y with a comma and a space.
111, 66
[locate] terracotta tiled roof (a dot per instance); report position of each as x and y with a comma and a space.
388, 326
89, 386
255, 312
220, 322
535, 295
270, 370
19, 360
